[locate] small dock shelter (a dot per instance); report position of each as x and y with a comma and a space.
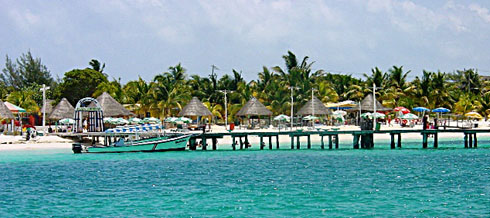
313, 107
111, 107
62, 110
195, 108
254, 109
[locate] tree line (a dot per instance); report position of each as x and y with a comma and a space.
461, 91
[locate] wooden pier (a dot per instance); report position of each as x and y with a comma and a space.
362, 139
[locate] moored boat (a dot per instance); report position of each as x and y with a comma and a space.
155, 144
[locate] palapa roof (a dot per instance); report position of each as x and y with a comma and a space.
49, 106
62, 110
367, 105
111, 107
254, 108
318, 105
195, 108
5, 113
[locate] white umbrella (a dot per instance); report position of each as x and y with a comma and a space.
282, 117
409, 116
309, 117
151, 120
134, 120
66, 121
184, 120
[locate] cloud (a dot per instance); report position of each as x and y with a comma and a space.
412, 17
481, 11
24, 19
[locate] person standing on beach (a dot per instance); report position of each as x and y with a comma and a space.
424, 122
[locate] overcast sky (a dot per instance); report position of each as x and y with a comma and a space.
146, 37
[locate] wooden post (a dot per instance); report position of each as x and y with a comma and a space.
465, 140
298, 143
192, 144
436, 140
323, 143
246, 142
475, 145
270, 142
261, 143
399, 140
356, 141
470, 142
292, 141
233, 144
214, 141
392, 140
204, 143
424, 140
336, 141
309, 142
105, 140
277, 141
329, 141
241, 142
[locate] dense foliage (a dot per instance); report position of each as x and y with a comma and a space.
461, 91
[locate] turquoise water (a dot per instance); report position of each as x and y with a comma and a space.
307, 183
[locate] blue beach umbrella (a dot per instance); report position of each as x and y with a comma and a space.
441, 110
420, 109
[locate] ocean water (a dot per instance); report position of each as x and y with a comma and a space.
449, 181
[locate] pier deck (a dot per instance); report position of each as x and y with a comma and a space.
361, 138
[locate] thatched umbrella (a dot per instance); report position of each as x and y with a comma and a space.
254, 108
367, 105
5, 113
111, 107
195, 108
49, 106
63, 110
318, 105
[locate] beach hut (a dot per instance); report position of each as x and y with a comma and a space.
367, 105
195, 108
313, 107
62, 110
254, 108
5, 113
111, 107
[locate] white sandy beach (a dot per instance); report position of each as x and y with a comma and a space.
55, 142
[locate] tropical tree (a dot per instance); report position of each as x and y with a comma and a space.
23, 99
77, 84
25, 72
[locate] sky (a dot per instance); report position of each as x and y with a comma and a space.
143, 38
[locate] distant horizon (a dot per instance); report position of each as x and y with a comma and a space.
348, 37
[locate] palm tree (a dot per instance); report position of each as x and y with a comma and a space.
24, 100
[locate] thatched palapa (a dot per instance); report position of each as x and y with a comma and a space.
367, 105
111, 107
49, 106
318, 105
195, 108
5, 113
63, 110
254, 108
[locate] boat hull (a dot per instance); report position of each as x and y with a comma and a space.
147, 145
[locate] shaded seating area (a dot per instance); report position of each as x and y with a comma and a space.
313, 108
196, 110
252, 111
61, 111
